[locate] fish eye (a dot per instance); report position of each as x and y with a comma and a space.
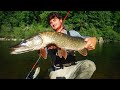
24, 41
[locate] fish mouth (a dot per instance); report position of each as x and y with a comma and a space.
20, 50
15, 52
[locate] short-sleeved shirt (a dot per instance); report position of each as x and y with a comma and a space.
74, 33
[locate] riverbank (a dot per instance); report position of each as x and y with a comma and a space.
10, 39
99, 40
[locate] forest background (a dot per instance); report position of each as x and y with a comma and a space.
23, 24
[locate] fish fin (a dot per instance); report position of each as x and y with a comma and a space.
43, 53
62, 53
83, 52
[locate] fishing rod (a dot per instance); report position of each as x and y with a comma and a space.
33, 68
66, 16
64, 19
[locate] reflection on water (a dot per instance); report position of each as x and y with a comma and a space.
100, 45
106, 57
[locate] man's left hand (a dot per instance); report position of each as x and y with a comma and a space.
91, 43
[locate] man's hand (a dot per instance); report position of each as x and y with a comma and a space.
91, 43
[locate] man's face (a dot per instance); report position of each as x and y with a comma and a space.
55, 23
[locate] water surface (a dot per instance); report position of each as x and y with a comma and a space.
106, 57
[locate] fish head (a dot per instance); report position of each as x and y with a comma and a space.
27, 45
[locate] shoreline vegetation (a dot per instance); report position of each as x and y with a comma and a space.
99, 40
19, 25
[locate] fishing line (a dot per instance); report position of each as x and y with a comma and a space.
33, 67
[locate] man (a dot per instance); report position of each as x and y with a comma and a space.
69, 68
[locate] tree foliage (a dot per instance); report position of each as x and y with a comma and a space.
21, 24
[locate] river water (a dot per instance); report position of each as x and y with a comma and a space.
106, 57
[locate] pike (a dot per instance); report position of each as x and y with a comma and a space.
42, 40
